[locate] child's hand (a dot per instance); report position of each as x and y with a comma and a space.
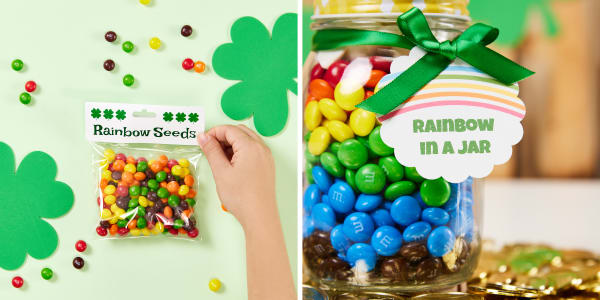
243, 169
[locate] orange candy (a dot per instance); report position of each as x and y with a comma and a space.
368, 94
187, 213
167, 170
223, 208
163, 160
376, 75
131, 160
320, 89
135, 183
173, 187
118, 165
182, 231
103, 183
199, 66
113, 229
127, 178
163, 184
188, 180
310, 98
155, 166
139, 176
132, 224
168, 212
191, 194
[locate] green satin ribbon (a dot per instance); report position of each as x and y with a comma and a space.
470, 46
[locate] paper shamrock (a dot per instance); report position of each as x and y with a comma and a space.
511, 17
267, 67
28, 196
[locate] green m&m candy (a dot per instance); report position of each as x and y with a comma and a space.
392, 168
47, 273
370, 179
25, 98
351, 179
400, 188
334, 147
377, 145
17, 65
331, 164
435, 192
365, 142
352, 154
412, 175
311, 158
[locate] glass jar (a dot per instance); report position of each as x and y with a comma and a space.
370, 223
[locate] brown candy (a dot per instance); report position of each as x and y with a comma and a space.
318, 245
109, 65
414, 252
78, 262
186, 30
429, 268
110, 36
394, 269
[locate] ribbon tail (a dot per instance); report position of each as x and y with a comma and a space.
493, 63
406, 85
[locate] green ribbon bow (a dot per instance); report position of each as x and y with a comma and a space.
470, 46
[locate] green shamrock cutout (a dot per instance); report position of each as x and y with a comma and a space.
511, 17
266, 65
121, 115
168, 117
180, 117
193, 117
108, 114
96, 113
29, 195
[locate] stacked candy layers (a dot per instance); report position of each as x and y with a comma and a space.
362, 208
141, 197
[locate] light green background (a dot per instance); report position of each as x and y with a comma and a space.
62, 45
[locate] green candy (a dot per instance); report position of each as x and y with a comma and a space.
178, 223
352, 154
370, 179
47, 273
351, 179
392, 168
400, 188
334, 147
161, 176
162, 193
128, 80
307, 136
130, 216
142, 166
135, 190
141, 212
412, 175
141, 223
311, 158
435, 192
331, 164
309, 176
377, 145
133, 203
191, 202
173, 201
128, 46
17, 65
153, 184
122, 223
365, 142
25, 98
144, 191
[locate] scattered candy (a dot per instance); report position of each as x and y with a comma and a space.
30, 86
110, 36
199, 66
186, 30
17, 282
78, 262
155, 43
109, 65
214, 285
17, 65
145, 2
128, 80
80, 246
128, 46
187, 64
47, 273
25, 98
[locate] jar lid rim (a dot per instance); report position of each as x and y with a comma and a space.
395, 15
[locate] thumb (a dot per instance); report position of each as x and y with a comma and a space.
214, 153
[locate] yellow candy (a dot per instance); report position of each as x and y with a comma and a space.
135, 232
145, 2
331, 110
120, 213
130, 168
104, 164
319, 140
150, 162
154, 43
159, 227
105, 214
177, 170
184, 190
143, 201
113, 220
114, 208
339, 130
348, 101
312, 115
214, 285
109, 155
110, 199
146, 231
106, 174
150, 203
184, 163
362, 122
186, 172
110, 189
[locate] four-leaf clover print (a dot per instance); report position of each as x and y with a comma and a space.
193, 117
108, 114
96, 113
29, 195
168, 116
266, 65
121, 115
180, 117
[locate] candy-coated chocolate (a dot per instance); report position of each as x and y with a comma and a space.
341, 197
186, 30
440, 241
435, 192
348, 100
382, 217
319, 140
17, 282
339, 241
350, 176
334, 147
322, 178
331, 164
412, 175
405, 210
386, 240
358, 227
128, 46
339, 130
187, 64
312, 196
352, 154
394, 171
320, 89
47, 273
25, 98
334, 72
199, 66
78, 262
17, 65
317, 72
80, 246
435, 216
312, 115
110, 36
362, 121
30, 86
377, 145
331, 110
154, 43
400, 188
370, 179
417, 231
109, 65
362, 252
323, 217
367, 203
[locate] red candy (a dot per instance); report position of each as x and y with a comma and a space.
193, 233
17, 282
80, 246
101, 231
334, 72
30, 86
123, 231
187, 64
317, 72
381, 63
121, 157
173, 231
172, 163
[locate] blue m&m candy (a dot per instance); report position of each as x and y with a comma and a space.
405, 210
417, 196
358, 227
435, 216
341, 197
440, 241
362, 252
386, 240
339, 240
323, 217
417, 231
382, 217
367, 203
312, 196
321, 178
325, 199
308, 226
